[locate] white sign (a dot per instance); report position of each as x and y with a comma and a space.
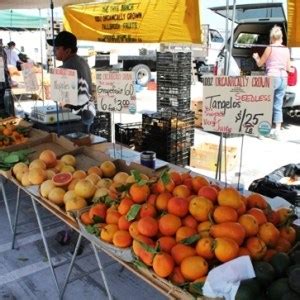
64, 86
242, 104
30, 80
115, 92
2, 74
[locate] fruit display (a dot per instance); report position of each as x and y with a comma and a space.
178, 226
12, 134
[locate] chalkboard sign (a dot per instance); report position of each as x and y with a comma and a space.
64, 86
30, 79
241, 105
115, 92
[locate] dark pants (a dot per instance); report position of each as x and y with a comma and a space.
2, 93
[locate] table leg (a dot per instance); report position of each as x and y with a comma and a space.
102, 272
70, 266
16, 219
45, 242
6, 203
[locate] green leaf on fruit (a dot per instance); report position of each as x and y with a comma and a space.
191, 239
165, 177
136, 175
133, 212
149, 248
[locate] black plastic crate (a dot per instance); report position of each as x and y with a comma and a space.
126, 133
102, 125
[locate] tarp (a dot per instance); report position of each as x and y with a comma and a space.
12, 19
141, 21
293, 23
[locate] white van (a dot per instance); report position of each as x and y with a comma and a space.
251, 34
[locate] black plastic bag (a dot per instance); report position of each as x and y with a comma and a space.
271, 187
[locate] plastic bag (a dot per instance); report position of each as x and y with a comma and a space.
271, 187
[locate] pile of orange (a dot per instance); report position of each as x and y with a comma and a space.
11, 135
181, 226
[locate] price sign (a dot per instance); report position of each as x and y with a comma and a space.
30, 80
2, 74
64, 86
241, 105
115, 92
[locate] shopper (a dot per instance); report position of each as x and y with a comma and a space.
276, 57
12, 55
6, 83
65, 49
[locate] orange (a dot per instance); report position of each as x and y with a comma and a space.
209, 192
169, 224
122, 239
284, 214
180, 251
205, 247
204, 227
108, 169
152, 199
184, 232
232, 230
249, 223
230, 197
147, 210
166, 243
139, 193
283, 245
256, 247
178, 206
243, 251
181, 191
133, 229
176, 277
98, 212
49, 158
242, 209
269, 234
176, 177
148, 226
125, 205
112, 217
193, 267
108, 231
256, 200
258, 214
123, 223
198, 182
162, 200
137, 244
200, 208
163, 264
189, 221
225, 214
226, 249
288, 233
165, 187
273, 217
85, 218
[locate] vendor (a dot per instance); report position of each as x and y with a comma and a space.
12, 55
65, 49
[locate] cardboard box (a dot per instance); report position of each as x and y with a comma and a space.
205, 156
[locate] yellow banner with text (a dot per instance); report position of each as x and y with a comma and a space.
135, 21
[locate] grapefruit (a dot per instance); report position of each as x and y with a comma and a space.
49, 158
62, 179
68, 159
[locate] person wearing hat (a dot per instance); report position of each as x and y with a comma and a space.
65, 49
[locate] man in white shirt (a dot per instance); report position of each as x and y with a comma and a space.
12, 55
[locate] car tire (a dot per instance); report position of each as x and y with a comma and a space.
142, 74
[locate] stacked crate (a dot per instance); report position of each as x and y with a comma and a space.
173, 81
102, 125
128, 134
170, 134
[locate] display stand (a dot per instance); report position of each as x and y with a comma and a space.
6, 202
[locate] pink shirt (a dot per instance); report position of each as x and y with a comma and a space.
277, 61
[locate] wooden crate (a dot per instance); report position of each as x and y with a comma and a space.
204, 156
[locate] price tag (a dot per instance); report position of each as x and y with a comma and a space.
115, 92
64, 86
2, 74
240, 105
30, 79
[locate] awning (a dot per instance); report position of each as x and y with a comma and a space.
141, 21
11, 19
293, 23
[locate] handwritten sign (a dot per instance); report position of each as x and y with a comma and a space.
115, 92
30, 80
2, 74
238, 104
64, 86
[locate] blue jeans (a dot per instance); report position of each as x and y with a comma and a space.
280, 84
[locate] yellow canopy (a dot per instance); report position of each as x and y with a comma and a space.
293, 23
135, 21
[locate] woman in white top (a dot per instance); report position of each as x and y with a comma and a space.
12, 55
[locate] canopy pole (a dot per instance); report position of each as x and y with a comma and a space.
231, 34
52, 25
41, 45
